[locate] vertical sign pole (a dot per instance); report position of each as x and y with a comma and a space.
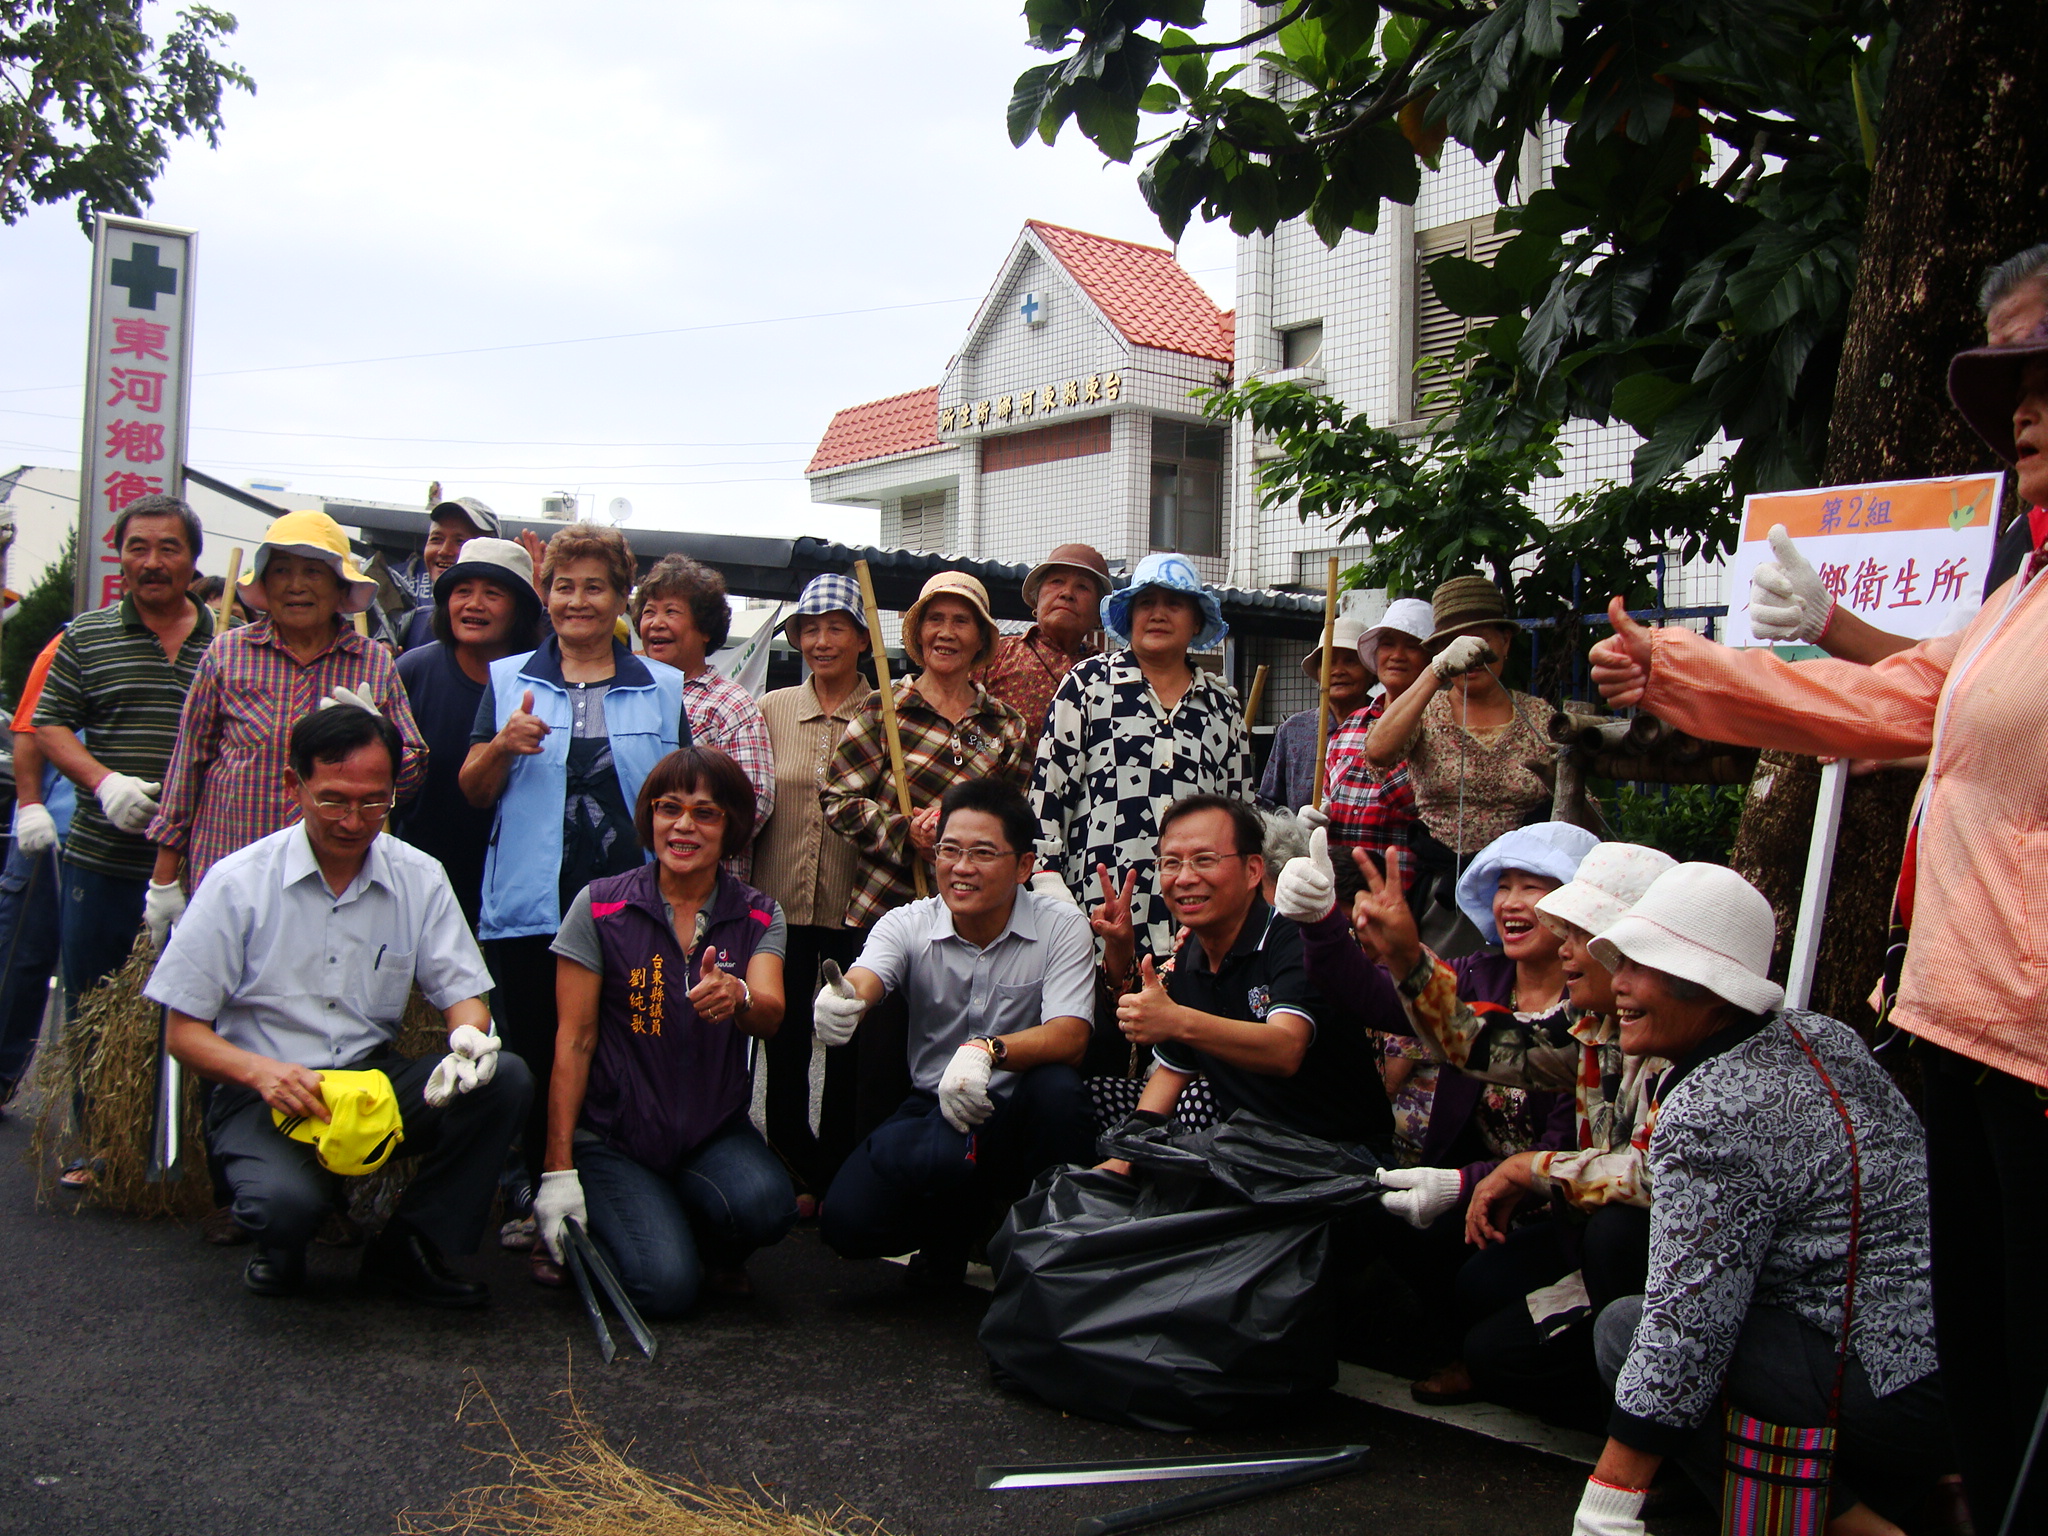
1820, 871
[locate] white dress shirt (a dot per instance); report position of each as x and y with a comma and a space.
284, 967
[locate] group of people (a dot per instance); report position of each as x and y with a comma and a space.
1624, 1181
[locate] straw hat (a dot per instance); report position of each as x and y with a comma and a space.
1705, 923
951, 584
1083, 559
1552, 850
319, 537
1984, 382
1345, 636
1611, 879
1466, 603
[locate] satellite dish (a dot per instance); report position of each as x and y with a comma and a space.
619, 510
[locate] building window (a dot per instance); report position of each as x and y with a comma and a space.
1187, 479
1046, 445
921, 523
1437, 330
1301, 345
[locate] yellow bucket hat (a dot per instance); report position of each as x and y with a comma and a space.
366, 1128
319, 537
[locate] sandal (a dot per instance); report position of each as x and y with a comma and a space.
1448, 1387
78, 1174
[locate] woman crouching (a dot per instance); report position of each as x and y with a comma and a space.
662, 975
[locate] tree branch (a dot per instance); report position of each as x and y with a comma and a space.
1287, 20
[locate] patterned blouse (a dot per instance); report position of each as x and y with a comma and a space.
724, 715
1110, 762
857, 791
1024, 673
1499, 779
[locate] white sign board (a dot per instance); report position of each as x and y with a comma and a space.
1908, 556
138, 376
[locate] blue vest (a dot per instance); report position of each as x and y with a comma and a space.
642, 712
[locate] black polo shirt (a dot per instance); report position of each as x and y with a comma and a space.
1336, 1092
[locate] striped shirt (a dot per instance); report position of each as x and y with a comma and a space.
724, 715
110, 677
225, 784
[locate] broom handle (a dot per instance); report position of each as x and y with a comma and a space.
1256, 696
890, 731
1323, 694
227, 595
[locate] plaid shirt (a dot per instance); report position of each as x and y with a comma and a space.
724, 715
1367, 808
225, 785
1025, 674
858, 794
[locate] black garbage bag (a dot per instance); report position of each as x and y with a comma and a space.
1183, 1296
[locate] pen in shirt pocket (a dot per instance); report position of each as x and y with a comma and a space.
378, 963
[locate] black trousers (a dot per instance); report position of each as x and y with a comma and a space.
1987, 1164
281, 1194
813, 1156
524, 1004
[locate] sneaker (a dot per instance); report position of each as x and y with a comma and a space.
519, 1234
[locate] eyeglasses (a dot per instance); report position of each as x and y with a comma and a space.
981, 856
341, 810
1203, 864
702, 815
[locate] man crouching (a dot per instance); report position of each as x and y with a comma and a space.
295, 960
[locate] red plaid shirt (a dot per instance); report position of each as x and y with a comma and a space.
1367, 808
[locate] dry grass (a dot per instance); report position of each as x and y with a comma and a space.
584, 1487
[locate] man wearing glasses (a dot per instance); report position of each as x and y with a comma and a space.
999, 982
296, 957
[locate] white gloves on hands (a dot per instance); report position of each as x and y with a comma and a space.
1605, 1510
1306, 891
35, 829
351, 697
1312, 816
560, 1196
162, 906
1425, 1193
838, 1008
128, 802
1465, 654
472, 1061
963, 1088
1046, 883
1786, 599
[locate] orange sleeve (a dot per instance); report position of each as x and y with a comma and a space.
32, 690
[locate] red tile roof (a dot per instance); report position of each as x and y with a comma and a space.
1146, 294
879, 430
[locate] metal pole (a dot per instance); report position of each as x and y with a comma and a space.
1820, 869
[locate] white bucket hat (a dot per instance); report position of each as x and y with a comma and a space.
1707, 924
1552, 850
1409, 616
1344, 635
1611, 879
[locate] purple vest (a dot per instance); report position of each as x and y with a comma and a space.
662, 1080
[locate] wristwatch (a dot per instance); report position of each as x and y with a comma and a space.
997, 1051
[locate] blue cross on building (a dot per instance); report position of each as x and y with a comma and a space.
1032, 311
140, 274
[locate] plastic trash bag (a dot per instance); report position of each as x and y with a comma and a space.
1187, 1294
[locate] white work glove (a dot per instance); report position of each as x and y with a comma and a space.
1046, 883
1312, 816
351, 697
1425, 1193
838, 1008
128, 802
1786, 599
162, 906
35, 829
560, 1197
472, 1061
1306, 891
963, 1088
1605, 1510
1467, 653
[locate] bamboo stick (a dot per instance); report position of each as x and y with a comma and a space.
1256, 696
1323, 693
890, 732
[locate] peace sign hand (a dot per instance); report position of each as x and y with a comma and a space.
1385, 921
1112, 923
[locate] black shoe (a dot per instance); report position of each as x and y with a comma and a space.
406, 1262
275, 1272
937, 1267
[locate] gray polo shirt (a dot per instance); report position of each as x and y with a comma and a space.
1041, 967
284, 967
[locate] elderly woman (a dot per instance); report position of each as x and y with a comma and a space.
1972, 894
1290, 778
665, 974
563, 739
1788, 1237
808, 869
225, 786
1130, 732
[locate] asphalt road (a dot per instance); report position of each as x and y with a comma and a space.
142, 1390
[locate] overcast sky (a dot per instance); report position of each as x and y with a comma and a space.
452, 178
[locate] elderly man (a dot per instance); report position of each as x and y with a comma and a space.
452, 525
120, 675
1000, 983
295, 960
1065, 593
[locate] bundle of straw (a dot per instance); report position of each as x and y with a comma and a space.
585, 1488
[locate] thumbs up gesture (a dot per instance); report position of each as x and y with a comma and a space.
1148, 1016
1786, 598
1307, 888
718, 996
525, 731
837, 1011
1621, 662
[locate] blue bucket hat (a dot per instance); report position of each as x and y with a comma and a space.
1551, 849
829, 593
1176, 574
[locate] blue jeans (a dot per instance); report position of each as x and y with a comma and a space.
29, 910
729, 1197
102, 915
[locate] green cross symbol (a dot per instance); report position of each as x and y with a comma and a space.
142, 277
